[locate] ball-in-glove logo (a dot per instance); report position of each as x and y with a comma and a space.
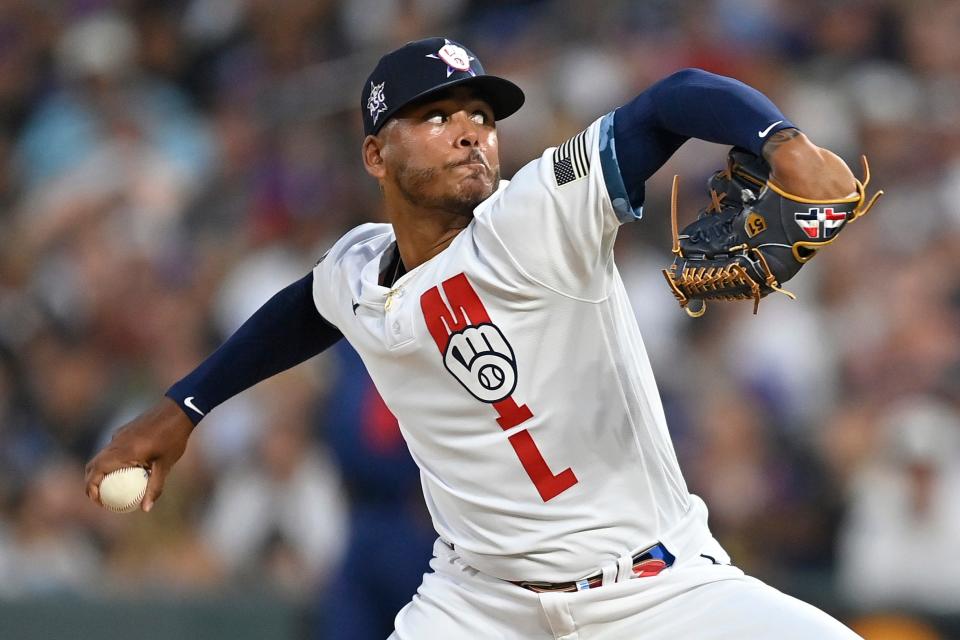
481, 359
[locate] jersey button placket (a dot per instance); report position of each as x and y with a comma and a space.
395, 319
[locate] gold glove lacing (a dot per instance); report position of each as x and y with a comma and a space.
702, 281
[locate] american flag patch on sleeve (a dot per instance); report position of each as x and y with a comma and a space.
571, 161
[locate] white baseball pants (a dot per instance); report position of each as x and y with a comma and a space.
695, 599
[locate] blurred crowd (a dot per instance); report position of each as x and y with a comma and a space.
167, 165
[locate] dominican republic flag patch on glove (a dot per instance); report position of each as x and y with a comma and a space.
820, 223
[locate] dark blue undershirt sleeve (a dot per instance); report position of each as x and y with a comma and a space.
691, 103
284, 332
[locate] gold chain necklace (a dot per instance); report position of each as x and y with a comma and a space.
393, 281
396, 269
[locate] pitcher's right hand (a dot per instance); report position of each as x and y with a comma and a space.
155, 440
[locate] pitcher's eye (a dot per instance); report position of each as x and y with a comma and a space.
436, 117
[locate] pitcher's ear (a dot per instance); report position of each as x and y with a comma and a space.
372, 151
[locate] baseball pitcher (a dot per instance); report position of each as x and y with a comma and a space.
546, 461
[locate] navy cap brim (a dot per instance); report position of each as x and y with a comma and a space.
504, 97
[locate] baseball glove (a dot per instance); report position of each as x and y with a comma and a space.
752, 236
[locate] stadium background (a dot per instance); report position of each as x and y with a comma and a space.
166, 166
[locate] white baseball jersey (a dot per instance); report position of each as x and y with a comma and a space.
514, 365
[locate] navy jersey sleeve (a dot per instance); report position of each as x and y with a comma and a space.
688, 104
284, 332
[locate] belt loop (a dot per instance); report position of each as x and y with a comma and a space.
609, 573
624, 568
556, 608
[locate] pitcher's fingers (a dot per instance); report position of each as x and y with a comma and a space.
158, 474
101, 464
93, 479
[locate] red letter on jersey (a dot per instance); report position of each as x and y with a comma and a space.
466, 310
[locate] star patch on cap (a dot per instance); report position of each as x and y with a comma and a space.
376, 103
455, 56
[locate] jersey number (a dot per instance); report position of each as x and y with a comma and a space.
477, 354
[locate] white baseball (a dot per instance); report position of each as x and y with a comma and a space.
123, 490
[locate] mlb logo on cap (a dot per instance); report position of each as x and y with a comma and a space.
426, 67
